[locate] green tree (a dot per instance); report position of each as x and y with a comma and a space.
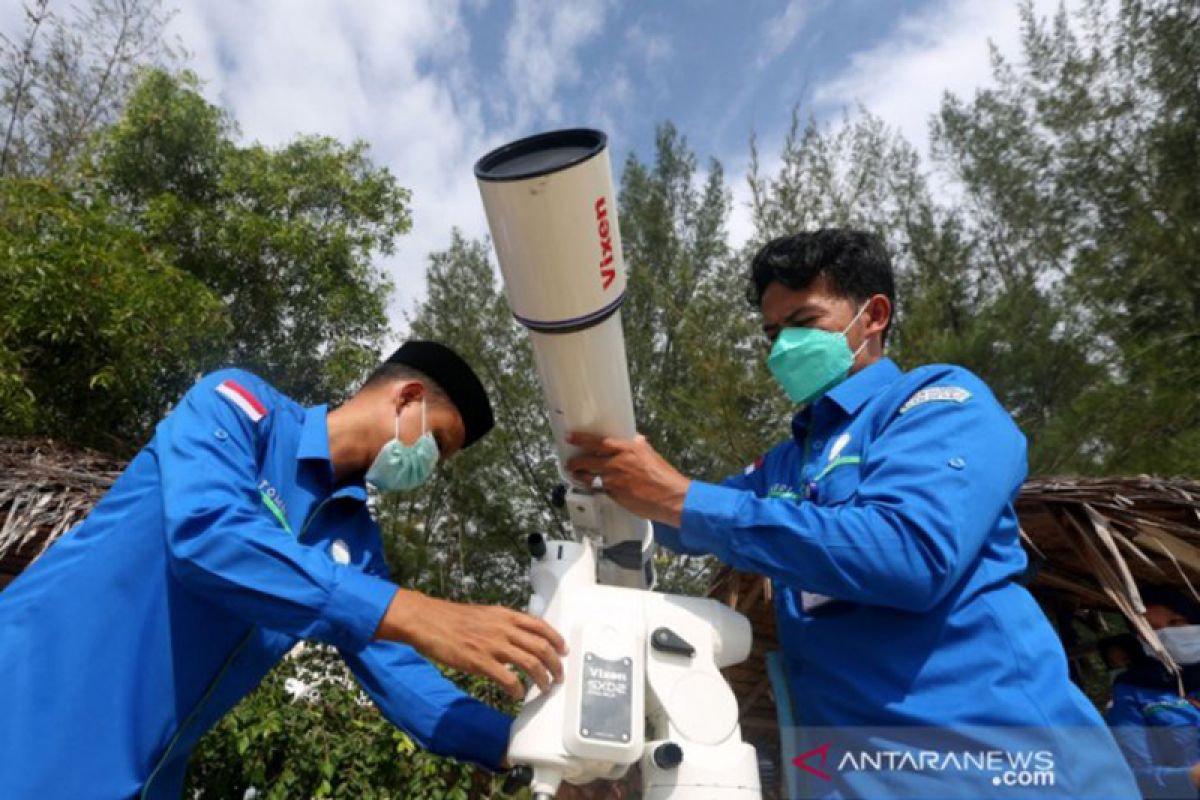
1082, 169
99, 329
702, 395
695, 350
173, 250
309, 731
286, 237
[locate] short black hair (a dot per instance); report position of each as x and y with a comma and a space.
855, 263
1172, 598
390, 372
1120, 641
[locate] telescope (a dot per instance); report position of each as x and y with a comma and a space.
642, 682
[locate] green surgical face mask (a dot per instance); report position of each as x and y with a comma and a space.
400, 467
808, 362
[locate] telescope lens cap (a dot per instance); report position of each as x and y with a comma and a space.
543, 154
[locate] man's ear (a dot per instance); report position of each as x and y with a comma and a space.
878, 314
408, 392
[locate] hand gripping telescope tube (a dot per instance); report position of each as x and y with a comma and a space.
553, 216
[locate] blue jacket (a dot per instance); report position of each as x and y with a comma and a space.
1158, 730
887, 528
223, 544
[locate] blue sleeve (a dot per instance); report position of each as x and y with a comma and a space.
1129, 729
668, 535
223, 544
933, 484
417, 698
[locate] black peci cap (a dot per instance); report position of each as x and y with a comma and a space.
447, 369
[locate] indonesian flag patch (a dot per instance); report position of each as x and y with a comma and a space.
758, 462
240, 397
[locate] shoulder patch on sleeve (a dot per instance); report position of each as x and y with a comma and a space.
758, 462
945, 394
239, 396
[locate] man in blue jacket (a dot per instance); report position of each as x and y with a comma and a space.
1157, 727
239, 530
885, 522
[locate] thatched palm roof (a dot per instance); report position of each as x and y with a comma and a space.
45, 488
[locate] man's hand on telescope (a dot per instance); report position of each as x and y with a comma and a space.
632, 473
481, 640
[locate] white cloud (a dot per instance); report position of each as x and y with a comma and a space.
776, 35
655, 49
941, 48
782, 29
397, 75
400, 76
13, 21
541, 54
390, 74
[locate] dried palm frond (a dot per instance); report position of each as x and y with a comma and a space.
45, 489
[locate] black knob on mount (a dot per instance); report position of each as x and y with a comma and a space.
517, 779
537, 545
668, 755
665, 640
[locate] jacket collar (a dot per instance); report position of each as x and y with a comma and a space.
314, 448
314, 435
851, 394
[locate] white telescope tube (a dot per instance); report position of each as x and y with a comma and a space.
553, 216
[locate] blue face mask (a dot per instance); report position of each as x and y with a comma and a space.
399, 466
808, 362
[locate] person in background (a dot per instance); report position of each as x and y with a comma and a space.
1158, 728
1118, 652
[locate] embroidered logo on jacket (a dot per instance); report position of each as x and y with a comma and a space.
785, 491
339, 551
838, 446
241, 397
945, 394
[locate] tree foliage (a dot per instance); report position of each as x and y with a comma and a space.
1082, 169
284, 236
309, 731
95, 320
174, 250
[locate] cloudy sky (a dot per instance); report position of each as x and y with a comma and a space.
433, 84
